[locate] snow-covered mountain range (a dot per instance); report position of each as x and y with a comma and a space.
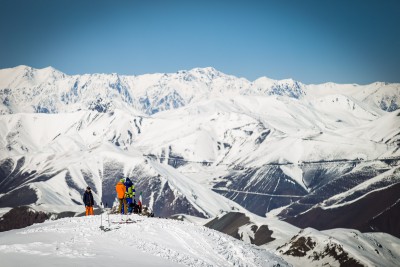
203, 143
25, 89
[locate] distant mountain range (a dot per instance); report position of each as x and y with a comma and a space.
202, 143
29, 90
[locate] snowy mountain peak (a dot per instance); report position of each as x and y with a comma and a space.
20, 68
24, 70
286, 87
264, 79
206, 74
25, 76
206, 70
25, 89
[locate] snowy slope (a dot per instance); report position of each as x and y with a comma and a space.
144, 242
379, 94
340, 247
310, 247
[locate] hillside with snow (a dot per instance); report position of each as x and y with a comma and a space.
202, 143
104, 239
310, 247
140, 240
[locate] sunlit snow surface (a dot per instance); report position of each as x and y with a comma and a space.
142, 242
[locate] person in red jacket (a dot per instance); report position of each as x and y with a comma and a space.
121, 189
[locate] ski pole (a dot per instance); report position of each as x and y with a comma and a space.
101, 214
108, 215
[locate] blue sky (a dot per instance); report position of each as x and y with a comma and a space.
310, 41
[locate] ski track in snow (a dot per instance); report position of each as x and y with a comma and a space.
145, 240
255, 193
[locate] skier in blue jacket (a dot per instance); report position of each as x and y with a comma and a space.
129, 194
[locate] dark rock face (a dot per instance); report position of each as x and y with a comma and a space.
175, 160
6, 168
387, 221
162, 102
336, 251
21, 217
262, 136
344, 179
260, 190
377, 211
262, 184
13, 183
388, 105
229, 223
301, 246
262, 235
100, 105
21, 196
13, 176
232, 221
318, 174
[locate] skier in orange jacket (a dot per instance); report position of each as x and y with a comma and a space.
121, 189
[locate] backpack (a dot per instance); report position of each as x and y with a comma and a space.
129, 188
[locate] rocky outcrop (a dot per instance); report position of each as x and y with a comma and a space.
232, 222
21, 217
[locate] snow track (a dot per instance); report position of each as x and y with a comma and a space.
255, 193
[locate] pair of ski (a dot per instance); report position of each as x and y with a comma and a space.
129, 220
106, 229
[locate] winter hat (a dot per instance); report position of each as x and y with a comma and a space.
88, 188
122, 180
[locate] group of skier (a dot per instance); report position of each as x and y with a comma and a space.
126, 198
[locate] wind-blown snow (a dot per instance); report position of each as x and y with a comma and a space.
144, 242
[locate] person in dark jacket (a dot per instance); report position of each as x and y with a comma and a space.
88, 201
129, 194
135, 207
